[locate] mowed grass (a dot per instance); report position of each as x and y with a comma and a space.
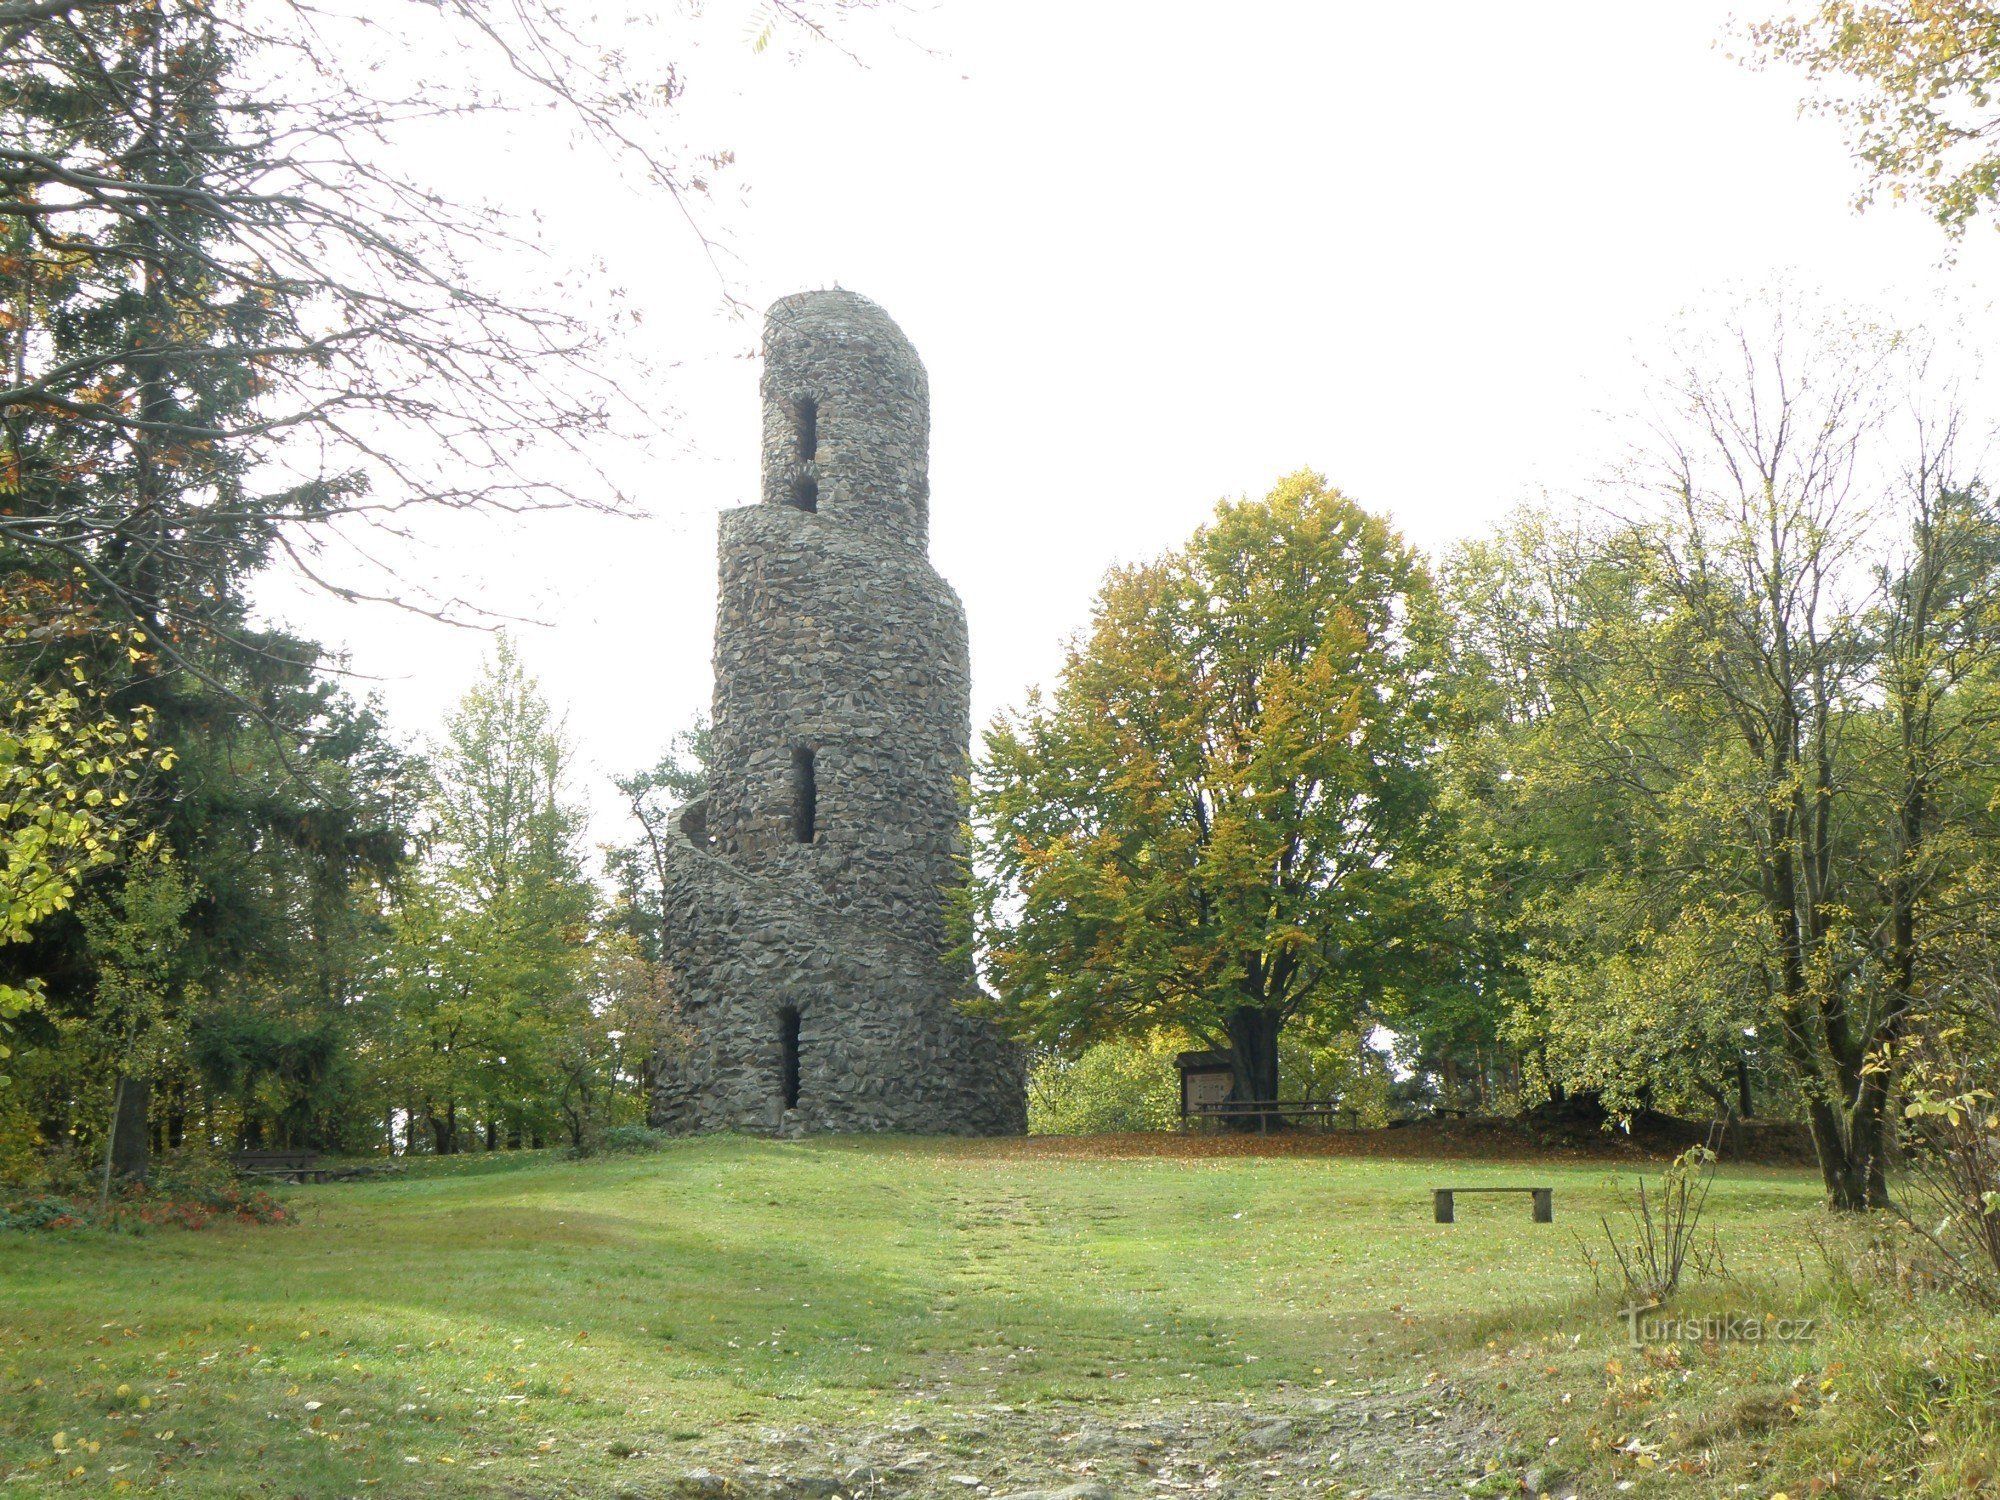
516, 1323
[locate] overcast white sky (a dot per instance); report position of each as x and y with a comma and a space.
1154, 254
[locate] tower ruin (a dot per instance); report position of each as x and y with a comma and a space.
805, 907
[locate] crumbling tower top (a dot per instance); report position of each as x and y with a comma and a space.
847, 415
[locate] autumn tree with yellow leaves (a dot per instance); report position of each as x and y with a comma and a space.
1208, 825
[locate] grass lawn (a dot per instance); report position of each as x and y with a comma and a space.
528, 1326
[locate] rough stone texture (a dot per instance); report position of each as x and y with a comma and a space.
835, 641
1376, 1442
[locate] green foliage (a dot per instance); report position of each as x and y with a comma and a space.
1110, 1086
625, 1140
134, 938
68, 771
280, 1073
1206, 826
491, 1007
21, 1144
1342, 1070
187, 1190
1917, 85
1734, 775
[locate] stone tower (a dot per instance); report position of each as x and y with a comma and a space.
805, 895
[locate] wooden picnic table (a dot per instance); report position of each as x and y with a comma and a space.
1262, 1110
304, 1166
289, 1166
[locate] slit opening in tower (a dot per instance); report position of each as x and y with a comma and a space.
806, 413
805, 795
788, 1055
805, 493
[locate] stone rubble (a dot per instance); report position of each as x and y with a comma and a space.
1376, 1443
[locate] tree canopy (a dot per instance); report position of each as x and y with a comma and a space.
1916, 83
1208, 825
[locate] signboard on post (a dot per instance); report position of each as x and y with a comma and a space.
1206, 1079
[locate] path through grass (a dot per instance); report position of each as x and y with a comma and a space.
519, 1323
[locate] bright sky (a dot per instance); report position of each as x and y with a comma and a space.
1154, 254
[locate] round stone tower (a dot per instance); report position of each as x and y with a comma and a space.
806, 895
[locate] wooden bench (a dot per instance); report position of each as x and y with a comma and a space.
290, 1166
1545, 1201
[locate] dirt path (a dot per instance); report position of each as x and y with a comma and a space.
1369, 1442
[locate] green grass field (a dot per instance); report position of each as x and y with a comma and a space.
528, 1326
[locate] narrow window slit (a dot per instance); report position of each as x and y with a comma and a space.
805, 795
804, 493
788, 1055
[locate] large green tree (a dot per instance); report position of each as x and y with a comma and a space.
1209, 824
286, 827
486, 1013
1747, 774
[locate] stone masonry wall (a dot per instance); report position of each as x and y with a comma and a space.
840, 665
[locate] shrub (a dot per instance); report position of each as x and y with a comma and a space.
42, 1212
20, 1141
625, 1140
1952, 1192
1664, 1227
188, 1190
196, 1175
1111, 1086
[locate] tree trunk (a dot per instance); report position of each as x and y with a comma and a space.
444, 1129
1253, 1051
131, 1135
1743, 1099
1849, 1165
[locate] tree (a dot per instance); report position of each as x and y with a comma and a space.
1762, 679
237, 327
285, 825
1552, 862
295, 862
636, 978
1916, 83
228, 325
1208, 826
134, 939
488, 990
68, 771
238, 332
655, 796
